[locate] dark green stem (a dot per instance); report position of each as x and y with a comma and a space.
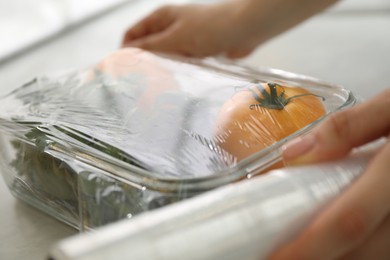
272, 100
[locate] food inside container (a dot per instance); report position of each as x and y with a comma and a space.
141, 130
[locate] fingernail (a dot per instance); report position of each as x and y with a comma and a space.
298, 150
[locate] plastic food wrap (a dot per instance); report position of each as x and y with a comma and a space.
245, 220
139, 130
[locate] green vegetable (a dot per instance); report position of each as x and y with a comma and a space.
89, 197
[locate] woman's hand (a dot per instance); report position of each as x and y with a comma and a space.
191, 30
357, 224
232, 28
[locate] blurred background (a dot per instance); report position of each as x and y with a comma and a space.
347, 45
25, 23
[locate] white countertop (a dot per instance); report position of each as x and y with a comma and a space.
347, 46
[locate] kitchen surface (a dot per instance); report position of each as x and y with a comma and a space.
347, 45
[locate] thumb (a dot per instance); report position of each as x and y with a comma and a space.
341, 132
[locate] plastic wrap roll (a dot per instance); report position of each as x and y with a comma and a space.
246, 220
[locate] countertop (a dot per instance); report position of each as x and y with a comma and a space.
347, 45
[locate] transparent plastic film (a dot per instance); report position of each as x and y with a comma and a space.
141, 130
244, 220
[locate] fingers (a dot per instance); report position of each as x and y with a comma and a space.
165, 30
342, 131
350, 220
197, 30
156, 22
354, 217
376, 247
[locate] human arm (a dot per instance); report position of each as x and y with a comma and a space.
233, 28
357, 224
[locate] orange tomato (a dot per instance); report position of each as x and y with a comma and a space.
263, 114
